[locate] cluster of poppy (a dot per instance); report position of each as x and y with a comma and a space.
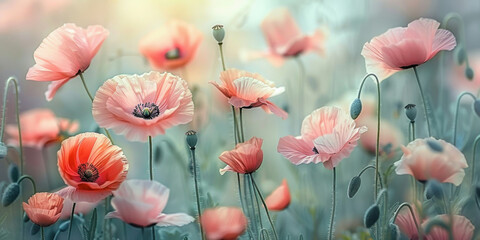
144, 106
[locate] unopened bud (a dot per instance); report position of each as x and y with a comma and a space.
371, 216
355, 108
469, 73
393, 231
460, 54
433, 189
353, 186
11, 193
476, 107
13, 173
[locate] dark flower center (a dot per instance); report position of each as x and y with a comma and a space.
407, 67
315, 150
173, 54
87, 172
146, 110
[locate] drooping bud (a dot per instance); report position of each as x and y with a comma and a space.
218, 33
34, 230
434, 145
191, 139
371, 216
25, 217
3, 150
433, 189
356, 108
13, 173
411, 112
11, 193
476, 107
460, 54
353, 186
469, 73
393, 231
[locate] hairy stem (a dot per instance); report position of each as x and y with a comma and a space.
423, 101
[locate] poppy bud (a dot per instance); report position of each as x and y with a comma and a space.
460, 54
218, 33
434, 145
393, 231
353, 186
191, 139
13, 173
355, 108
371, 216
476, 107
11, 193
469, 73
411, 112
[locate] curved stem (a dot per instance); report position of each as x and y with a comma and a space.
332, 217
423, 100
150, 149
31, 180
377, 148
197, 194
221, 55
419, 231
265, 206
475, 143
71, 221
459, 98
91, 98
2, 127
371, 167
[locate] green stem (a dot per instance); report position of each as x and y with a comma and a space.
249, 202
221, 55
105, 223
31, 180
241, 126
475, 143
71, 221
236, 131
197, 195
405, 204
413, 129
372, 167
423, 100
377, 148
43, 233
91, 98
409, 132
153, 232
150, 149
2, 127
255, 206
258, 208
245, 210
332, 217
459, 98
265, 206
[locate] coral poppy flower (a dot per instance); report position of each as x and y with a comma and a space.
80, 207
429, 158
172, 46
65, 53
245, 158
402, 48
139, 106
285, 39
462, 228
141, 202
91, 167
225, 223
406, 224
247, 90
44, 208
40, 127
328, 135
280, 198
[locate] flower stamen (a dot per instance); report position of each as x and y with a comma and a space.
87, 172
146, 110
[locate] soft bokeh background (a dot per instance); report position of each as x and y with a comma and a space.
332, 78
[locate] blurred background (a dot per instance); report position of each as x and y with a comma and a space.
331, 78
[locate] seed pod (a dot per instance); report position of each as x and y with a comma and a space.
218, 33
411, 112
191, 139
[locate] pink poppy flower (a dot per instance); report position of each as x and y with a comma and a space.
91, 167
171, 46
44, 208
245, 158
285, 39
66, 52
80, 207
406, 224
463, 229
280, 198
40, 127
223, 223
139, 106
402, 48
328, 135
247, 90
429, 158
141, 203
